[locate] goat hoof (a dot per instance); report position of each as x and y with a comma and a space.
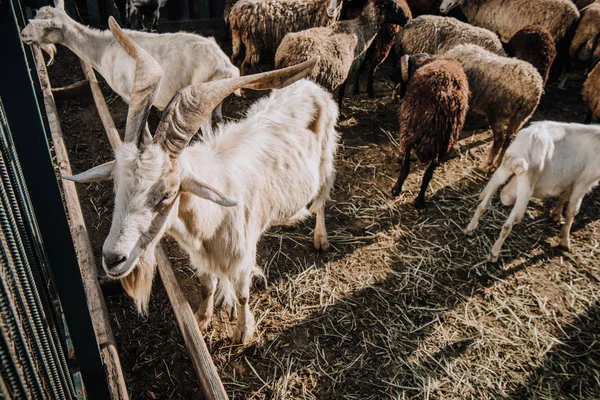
492, 258
558, 218
243, 335
203, 320
565, 244
321, 243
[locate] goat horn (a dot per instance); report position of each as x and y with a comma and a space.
146, 83
404, 67
192, 105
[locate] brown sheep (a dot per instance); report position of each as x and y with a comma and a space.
584, 46
257, 27
591, 89
341, 47
535, 45
432, 114
379, 51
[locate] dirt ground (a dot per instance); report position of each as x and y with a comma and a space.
403, 305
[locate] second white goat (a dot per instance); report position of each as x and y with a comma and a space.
547, 159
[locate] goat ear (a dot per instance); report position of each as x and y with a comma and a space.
60, 4
97, 174
204, 191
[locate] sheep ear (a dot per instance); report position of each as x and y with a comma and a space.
97, 174
204, 191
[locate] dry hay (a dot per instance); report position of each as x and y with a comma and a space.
402, 306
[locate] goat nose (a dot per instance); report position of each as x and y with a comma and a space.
113, 260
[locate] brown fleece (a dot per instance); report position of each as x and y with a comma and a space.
535, 45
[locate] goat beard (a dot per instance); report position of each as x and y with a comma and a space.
51, 50
138, 284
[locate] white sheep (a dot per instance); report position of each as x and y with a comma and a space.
218, 196
547, 159
186, 58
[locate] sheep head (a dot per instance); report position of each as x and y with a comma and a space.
392, 12
448, 5
46, 29
148, 179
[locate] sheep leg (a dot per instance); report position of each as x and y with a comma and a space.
501, 153
404, 171
205, 309
572, 210
500, 176
361, 69
524, 192
420, 201
556, 212
244, 328
341, 93
494, 150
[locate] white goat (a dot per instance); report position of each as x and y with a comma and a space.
270, 165
548, 159
186, 58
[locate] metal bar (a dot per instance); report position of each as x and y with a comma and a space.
95, 300
210, 382
38, 170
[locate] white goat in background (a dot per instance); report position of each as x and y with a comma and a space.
547, 159
217, 197
186, 58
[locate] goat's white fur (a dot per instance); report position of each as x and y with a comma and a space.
186, 58
547, 159
273, 163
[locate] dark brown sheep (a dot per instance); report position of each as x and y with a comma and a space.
432, 114
535, 45
379, 51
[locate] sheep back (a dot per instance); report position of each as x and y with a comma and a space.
505, 89
433, 111
591, 91
535, 45
507, 17
584, 40
435, 35
265, 23
335, 48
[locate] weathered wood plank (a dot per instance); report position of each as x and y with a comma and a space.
71, 92
95, 300
210, 382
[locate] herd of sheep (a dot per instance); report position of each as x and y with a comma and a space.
217, 196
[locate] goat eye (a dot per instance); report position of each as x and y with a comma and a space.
168, 195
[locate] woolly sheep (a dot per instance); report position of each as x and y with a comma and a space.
432, 114
591, 94
506, 17
506, 90
257, 27
435, 35
186, 58
535, 45
584, 46
341, 47
547, 159
379, 51
217, 196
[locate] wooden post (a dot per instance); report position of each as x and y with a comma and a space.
71, 92
95, 300
210, 382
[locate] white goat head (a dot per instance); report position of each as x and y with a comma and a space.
147, 177
46, 29
448, 5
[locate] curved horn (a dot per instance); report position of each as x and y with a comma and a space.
146, 82
192, 105
404, 67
